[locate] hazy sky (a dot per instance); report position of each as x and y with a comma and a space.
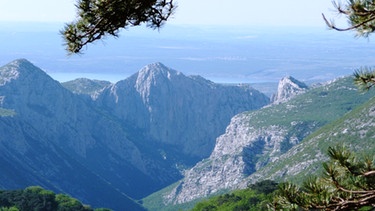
239, 12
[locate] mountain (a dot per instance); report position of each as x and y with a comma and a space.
354, 130
185, 113
256, 140
56, 140
288, 87
86, 86
124, 142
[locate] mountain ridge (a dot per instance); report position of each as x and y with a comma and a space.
184, 105
288, 87
69, 142
256, 139
42, 138
350, 131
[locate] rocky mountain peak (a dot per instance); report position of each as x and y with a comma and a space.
155, 71
174, 107
288, 87
153, 75
10, 71
20, 68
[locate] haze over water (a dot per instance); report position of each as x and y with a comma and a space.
230, 54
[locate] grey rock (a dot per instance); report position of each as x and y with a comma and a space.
288, 88
257, 140
138, 131
233, 159
84, 86
186, 112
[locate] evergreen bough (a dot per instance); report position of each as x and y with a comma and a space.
361, 18
348, 183
99, 18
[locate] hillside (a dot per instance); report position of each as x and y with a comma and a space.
355, 130
133, 138
56, 140
183, 113
259, 139
109, 145
86, 86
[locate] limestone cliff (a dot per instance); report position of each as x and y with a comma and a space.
184, 112
57, 140
288, 88
128, 140
259, 138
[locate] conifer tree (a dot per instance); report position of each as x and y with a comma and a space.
100, 18
361, 18
348, 183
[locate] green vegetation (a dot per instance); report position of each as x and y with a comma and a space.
255, 197
320, 109
38, 199
348, 183
361, 19
322, 105
98, 19
308, 112
360, 15
355, 130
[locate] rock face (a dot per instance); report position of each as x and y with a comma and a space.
58, 141
257, 139
354, 130
288, 87
184, 112
126, 142
236, 155
84, 86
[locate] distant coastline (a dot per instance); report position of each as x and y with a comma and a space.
230, 54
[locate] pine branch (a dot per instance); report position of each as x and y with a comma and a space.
331, 25
369, 173
101, 18
360, 14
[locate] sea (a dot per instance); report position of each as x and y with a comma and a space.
222, 54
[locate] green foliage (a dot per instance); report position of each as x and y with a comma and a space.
255, 197
360, 15
361, 18
9, 209
355, 130
98, 18
348, 183
301, 116
265, 186
38, 199
319, 105
364, 78
66, 203
308, 112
